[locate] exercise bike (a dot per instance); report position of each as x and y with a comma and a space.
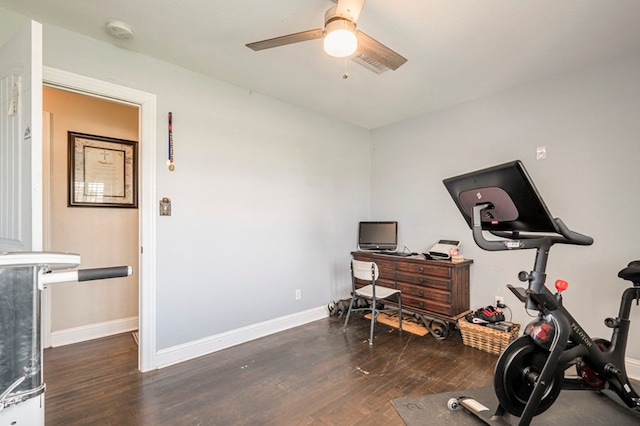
530, 373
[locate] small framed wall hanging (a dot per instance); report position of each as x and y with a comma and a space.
103, 171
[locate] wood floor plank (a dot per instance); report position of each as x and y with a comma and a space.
313, 374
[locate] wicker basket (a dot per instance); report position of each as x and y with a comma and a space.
485, 338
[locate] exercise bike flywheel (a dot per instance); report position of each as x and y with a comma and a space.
516, 374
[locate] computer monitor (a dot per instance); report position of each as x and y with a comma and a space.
378, 236
516, 204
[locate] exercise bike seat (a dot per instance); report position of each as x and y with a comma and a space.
631, 272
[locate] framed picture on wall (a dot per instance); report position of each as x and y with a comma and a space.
103, 171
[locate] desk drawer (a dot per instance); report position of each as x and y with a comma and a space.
409, 302
425, 293
424, 269
439, 283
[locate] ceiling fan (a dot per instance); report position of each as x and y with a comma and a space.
340, 28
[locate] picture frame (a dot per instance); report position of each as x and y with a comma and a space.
102, 171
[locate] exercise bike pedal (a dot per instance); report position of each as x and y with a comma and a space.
477, 409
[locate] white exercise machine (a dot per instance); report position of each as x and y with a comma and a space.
22, 277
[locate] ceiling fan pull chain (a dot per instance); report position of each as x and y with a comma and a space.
346, 74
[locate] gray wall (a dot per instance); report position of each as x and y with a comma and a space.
265, 195
589, 121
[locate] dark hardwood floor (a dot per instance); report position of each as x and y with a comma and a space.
313, 374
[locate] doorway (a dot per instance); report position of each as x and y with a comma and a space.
146, 104
103, 236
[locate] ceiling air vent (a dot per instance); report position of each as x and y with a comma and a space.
369, 63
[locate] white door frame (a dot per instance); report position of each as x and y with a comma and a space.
147, 174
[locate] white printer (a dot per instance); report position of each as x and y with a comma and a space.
442, 249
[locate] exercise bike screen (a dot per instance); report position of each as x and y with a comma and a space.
516, 204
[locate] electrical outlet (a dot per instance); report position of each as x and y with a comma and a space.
499, 301
298, 294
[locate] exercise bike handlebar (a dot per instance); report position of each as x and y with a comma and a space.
513, 240
572, 237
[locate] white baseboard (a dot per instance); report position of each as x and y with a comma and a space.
633, 368
197, 348
93, 331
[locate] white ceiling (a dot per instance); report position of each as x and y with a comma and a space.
457, 50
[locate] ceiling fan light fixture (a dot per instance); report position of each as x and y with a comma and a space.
340, 39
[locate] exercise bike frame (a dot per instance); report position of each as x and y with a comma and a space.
570, 340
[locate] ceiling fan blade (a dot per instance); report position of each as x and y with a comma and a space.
349, 9
375, 53
286, 39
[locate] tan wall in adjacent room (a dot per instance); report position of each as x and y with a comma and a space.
103, 236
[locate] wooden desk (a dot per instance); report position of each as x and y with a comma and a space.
435, 290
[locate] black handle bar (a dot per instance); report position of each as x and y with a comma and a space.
516, 241
103, 273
